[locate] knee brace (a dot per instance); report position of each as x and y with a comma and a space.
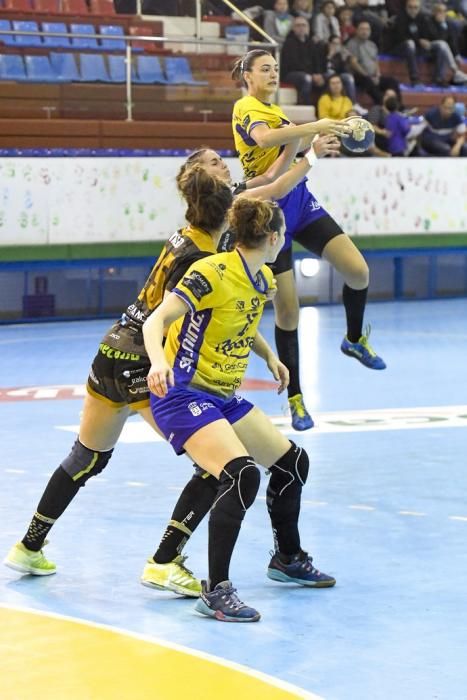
238, 484
83, 463
283, 496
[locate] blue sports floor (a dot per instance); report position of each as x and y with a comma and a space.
384, 510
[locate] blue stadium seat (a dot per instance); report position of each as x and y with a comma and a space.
178, 72
39, 70
93, 69
150, 71
12, 68
23, 40
81, 42
5, 26
64, 65
117, 69
60, 42
112, 44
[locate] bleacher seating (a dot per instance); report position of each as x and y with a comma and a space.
74, 7
7, 40
47, 6
114, 31
102, 7
58, 42
25, 39
12, 68
93, 68
83, 42
65, 66
178, 72
40, 70
18, 5
149, 71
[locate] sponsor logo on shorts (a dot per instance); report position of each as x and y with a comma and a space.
198, 285
114, 354
194, 409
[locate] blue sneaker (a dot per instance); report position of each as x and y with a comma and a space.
224, 604
363, 352
300, 570
301, 419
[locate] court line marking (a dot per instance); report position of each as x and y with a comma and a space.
259, 675
424, 417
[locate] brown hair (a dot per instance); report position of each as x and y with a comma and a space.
245, 63
193, 158
207, 197
252, 220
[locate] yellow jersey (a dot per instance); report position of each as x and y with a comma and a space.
248, 112
209, 347
333, 107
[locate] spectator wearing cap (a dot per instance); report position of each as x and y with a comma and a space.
445, 134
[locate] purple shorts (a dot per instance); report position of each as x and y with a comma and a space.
182, 412
300, 208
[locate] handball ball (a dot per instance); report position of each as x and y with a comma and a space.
361, 138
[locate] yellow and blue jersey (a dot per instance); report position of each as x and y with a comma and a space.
248, 112
209, 347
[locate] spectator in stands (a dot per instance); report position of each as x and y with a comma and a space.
334, 103
326, 24
346, 25
302, 61
337, 63
441, 28
412, 38
397, 124
365, 66
278, 22
303, 8
377, 116
445, 134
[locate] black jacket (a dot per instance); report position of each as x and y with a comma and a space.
446, 32
304, 56
406, 27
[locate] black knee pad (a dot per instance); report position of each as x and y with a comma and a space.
291, 468
239, 482
83, 463
208, 479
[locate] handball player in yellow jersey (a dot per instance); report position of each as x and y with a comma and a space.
212, 316
261, 129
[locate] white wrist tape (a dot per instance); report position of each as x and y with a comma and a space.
311, 156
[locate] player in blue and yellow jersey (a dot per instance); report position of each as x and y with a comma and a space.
212, 316
117, 380
260, 130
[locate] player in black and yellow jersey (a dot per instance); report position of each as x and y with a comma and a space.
260, 130
212, 316
117, 380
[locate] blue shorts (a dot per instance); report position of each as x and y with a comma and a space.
300, 208
182, 412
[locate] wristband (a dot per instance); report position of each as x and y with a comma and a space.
311, 156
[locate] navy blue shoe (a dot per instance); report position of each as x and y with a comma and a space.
301, 419
300, 570
363, 352
224, 604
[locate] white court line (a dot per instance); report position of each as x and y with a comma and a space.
361, 507
424, 417
15, 471
458, 517
246, 670
413, 513
135, 483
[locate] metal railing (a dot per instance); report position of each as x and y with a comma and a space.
178, 39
